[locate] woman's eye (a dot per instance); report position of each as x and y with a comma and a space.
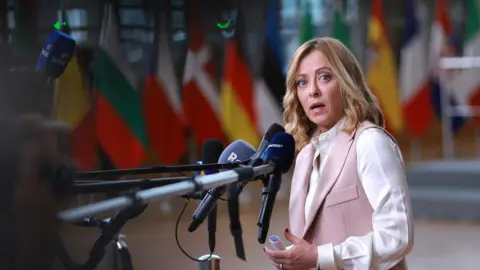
301, 83
325, 78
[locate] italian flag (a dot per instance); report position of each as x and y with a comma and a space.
120, 124
340, 27
307, 29
467, 84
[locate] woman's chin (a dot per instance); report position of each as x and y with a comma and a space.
320, 120
325, 124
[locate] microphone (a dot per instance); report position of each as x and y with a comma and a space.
255, 159
267, 137
280, 160
55, 54
211, 151
280, 153
237, 151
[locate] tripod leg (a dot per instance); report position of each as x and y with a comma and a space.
112, 256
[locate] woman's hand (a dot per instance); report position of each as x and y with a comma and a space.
301, 256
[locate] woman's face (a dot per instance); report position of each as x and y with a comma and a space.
319, 91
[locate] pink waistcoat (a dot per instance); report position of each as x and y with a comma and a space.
340, 208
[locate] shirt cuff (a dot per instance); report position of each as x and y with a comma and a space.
326, 257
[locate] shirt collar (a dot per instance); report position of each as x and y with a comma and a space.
320, 138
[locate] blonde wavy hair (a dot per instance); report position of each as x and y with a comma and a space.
358, 101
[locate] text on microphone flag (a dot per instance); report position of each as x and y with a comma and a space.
55, 54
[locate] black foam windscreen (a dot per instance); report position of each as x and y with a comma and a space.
272, 130
211, 151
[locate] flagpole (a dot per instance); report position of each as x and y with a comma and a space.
415, 150
447, 136
477, 140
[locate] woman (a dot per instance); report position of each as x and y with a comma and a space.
349, 203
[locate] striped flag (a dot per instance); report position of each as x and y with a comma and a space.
466, 84
239, 116
121, 127
162, 105
340, 28
440, 46
414, 75
72, 105
382, 71
307, 29
472, 48
270, 88
200, 96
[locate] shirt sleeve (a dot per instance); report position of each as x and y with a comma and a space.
381, 171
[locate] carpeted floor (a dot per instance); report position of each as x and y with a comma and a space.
152, 242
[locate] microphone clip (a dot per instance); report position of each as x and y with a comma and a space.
112, 229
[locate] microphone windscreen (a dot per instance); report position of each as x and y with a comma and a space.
55, 54
282, 150
211, 151
238, 151
272, 130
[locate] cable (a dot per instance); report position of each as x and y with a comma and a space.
178, 241
217, 197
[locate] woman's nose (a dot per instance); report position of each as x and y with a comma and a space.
314, 90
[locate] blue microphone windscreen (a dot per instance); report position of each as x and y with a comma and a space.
282, 150
55, 54
238, 151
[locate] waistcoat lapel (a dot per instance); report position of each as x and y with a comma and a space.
299, 187
341, 146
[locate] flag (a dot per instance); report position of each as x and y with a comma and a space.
120, 124
440, 46
270, 88
162, 105
239, 116
466, 83
72, 105
200, 96
307, 29
414, 75
382, 72
340, 28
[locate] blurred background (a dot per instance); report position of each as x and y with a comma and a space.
153, 79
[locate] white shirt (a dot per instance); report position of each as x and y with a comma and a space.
381, 172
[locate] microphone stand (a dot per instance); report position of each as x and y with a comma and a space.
156, 169
110, 232
99, 186
196, 183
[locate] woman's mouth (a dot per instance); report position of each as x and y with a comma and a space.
317, 108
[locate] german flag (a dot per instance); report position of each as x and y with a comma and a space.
238, 113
